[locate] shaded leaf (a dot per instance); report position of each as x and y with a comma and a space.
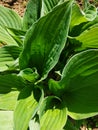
32, 13
42, 48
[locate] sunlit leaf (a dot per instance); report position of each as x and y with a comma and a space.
6, 120
10, 18
8, 55
26, 108
54, 114
79, 84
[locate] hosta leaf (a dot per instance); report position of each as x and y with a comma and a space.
32, 13
10, 85
8, 100
6, 120
10, 18
77, 16
91, 40
5, 37
79, 84
8, 55
26, 108
34, 125
44, 43
10, 82
48, 5
55, 115
90, 12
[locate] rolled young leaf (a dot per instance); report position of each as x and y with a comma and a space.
46, 39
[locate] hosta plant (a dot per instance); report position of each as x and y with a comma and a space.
48, 65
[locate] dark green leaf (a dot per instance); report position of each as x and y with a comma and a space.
32, 13
46, 39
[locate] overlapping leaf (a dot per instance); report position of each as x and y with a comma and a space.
87, 39
9, 18
79, 85
10, 85
26, 108
54, 114
46, 39
8, 55
32, 13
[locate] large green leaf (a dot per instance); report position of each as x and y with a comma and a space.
26, 108
46, 39
10, 18
32, 13
6, 120
54, 114
8, 55
87, 39
80, 84
5, 37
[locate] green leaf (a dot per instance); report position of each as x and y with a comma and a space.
8, 55
32, 13
26, 108
8, 101
77, 16
10, 85
48, 5
91, 40
29, 74
54, 116
44, 43
79, 84
10, 18
6, 120
5, 37
90, 12
34, 125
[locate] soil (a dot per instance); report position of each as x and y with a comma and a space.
17, 5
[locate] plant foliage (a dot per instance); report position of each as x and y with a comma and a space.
48, 65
